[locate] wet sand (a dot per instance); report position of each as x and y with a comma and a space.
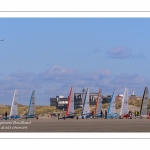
73, 125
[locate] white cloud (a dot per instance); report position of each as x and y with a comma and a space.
122, 52
58, 80
119, 52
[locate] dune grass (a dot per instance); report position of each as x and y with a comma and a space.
3, 109
41, 110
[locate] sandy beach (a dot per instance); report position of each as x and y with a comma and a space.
74, 125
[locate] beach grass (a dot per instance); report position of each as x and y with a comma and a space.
41, 110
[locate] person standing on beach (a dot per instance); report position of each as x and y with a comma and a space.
130, 114
105, 114
6, 115
101, 114
135, 113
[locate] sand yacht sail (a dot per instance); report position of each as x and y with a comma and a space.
98, 105
14, 106
112, 107
86, 106
70, 106
31, 109
143, 109
124, 106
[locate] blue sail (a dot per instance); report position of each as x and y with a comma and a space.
31, 109
112, 107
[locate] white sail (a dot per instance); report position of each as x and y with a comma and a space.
31, 110
124, 106
71, 107
14, 106
112, 106
99, 107
86, 105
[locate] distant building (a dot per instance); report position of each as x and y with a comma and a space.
119, 98
80, 97
61, 103
106, 99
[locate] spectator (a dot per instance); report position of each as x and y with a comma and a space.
105, 114
6, 115
101, 114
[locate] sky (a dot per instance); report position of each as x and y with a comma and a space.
49, 55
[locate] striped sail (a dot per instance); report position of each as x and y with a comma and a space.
14, 106
112, 106
70, 107
99, 103
124, 106
31, 110
86, 105
143, 110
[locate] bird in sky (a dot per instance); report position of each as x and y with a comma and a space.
2, 40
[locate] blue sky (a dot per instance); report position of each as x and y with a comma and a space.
49, 55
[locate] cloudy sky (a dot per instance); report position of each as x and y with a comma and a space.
49, 55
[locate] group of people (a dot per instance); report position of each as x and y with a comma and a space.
102, 115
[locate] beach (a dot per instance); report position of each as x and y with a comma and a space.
74, 125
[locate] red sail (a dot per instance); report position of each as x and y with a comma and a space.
69, 97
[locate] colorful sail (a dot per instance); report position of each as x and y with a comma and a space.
143, 110
70, 107
86, 105
14, 106
112, 107
99, 103
124, 106
31, 109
